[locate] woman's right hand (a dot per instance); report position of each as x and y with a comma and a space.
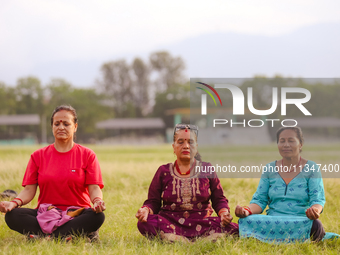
142, 214
241, 212
6, 206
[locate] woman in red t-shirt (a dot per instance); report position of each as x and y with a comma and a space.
68, 175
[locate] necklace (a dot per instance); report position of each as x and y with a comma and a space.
282, 166
188, 172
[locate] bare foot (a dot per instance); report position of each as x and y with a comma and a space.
213, 237
50, 207
173, 238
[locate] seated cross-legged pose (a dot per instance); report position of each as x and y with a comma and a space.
293, 190
69, 179
178, 206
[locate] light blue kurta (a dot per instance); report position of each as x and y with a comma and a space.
285, 203
305, 190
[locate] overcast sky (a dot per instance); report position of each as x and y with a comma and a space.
35, 32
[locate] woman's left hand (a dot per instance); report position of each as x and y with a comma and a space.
6, 206
312, 213
96, 198
226, 218
99, 206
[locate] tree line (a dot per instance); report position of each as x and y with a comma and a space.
123, 90
147, 88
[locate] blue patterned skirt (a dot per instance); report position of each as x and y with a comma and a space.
276, 229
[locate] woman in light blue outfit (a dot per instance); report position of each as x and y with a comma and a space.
293, 190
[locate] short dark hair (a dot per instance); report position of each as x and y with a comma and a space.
297, 130
68, 108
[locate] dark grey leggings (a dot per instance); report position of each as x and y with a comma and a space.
24, 221
317, 232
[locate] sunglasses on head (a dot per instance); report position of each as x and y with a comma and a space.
194, 128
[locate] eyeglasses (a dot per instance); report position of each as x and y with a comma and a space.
181, 126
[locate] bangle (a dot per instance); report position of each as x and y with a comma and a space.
15, 202
222, 211
247, 209
95, 199
22, 203
145, 206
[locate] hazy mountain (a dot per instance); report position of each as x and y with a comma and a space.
308, 52
311, 52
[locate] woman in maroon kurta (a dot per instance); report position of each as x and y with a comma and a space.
178, 204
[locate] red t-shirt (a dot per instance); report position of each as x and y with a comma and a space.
63, 177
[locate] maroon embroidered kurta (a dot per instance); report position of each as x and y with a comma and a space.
182, 205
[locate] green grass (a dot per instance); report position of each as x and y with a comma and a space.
127, 173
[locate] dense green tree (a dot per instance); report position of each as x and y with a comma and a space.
131, 89
141, 86
177, 96
7, 100
116, 84
29, 96
168, 69
58, 92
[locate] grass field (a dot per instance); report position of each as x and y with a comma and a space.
127, 173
